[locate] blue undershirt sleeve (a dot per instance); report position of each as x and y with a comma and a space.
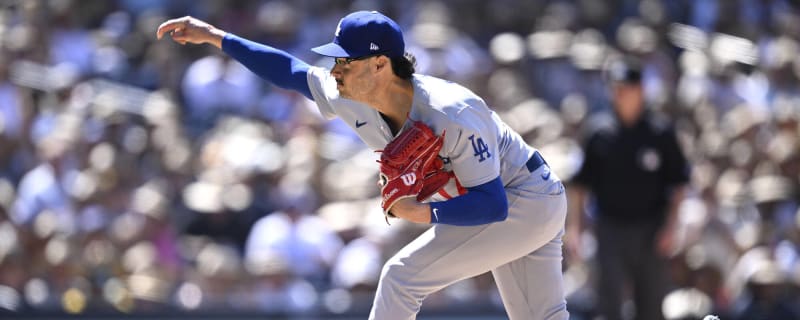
277, 66
481, 204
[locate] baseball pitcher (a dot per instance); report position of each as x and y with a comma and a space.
446, 160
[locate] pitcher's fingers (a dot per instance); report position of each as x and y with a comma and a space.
169, 26
179, 35
176, 35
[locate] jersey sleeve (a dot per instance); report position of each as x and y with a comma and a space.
323, 90
473, 151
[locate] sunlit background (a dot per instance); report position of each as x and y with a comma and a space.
141, 177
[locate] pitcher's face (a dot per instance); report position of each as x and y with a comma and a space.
354, 78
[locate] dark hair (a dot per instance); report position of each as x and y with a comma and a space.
403, 67
625, 70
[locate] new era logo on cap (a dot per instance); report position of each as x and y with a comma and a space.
363, 33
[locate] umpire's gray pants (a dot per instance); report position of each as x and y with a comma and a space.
627, 257
523, 252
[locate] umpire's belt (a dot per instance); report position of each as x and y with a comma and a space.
535, 162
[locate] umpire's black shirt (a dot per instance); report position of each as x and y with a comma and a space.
630, 170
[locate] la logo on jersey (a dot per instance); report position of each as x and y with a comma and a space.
480, 148
409, 178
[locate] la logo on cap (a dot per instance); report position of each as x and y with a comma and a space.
364, 33
338, 28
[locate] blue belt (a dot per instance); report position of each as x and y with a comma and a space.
535, 162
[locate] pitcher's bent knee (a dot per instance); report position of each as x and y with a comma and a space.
397, 293
397, 276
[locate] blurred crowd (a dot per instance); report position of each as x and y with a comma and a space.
141, 176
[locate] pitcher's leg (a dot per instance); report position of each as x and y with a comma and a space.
446, 254
531, 286
439, 257
396, 296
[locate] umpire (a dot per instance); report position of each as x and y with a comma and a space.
636, 172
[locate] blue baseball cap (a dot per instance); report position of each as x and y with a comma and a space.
364, 33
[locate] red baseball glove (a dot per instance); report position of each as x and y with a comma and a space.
411, 167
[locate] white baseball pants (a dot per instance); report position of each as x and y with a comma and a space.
523, 252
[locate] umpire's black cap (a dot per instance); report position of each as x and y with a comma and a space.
625, 70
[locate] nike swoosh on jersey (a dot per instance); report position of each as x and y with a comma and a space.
360, 124
436, 213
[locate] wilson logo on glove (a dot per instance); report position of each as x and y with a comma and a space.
411, 167
409, 179
390, 194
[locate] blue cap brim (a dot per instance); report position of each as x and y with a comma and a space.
331, 50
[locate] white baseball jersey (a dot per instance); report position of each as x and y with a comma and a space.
478, 145
523, 252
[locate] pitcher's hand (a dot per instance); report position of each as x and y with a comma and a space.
191, 30
411, 210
